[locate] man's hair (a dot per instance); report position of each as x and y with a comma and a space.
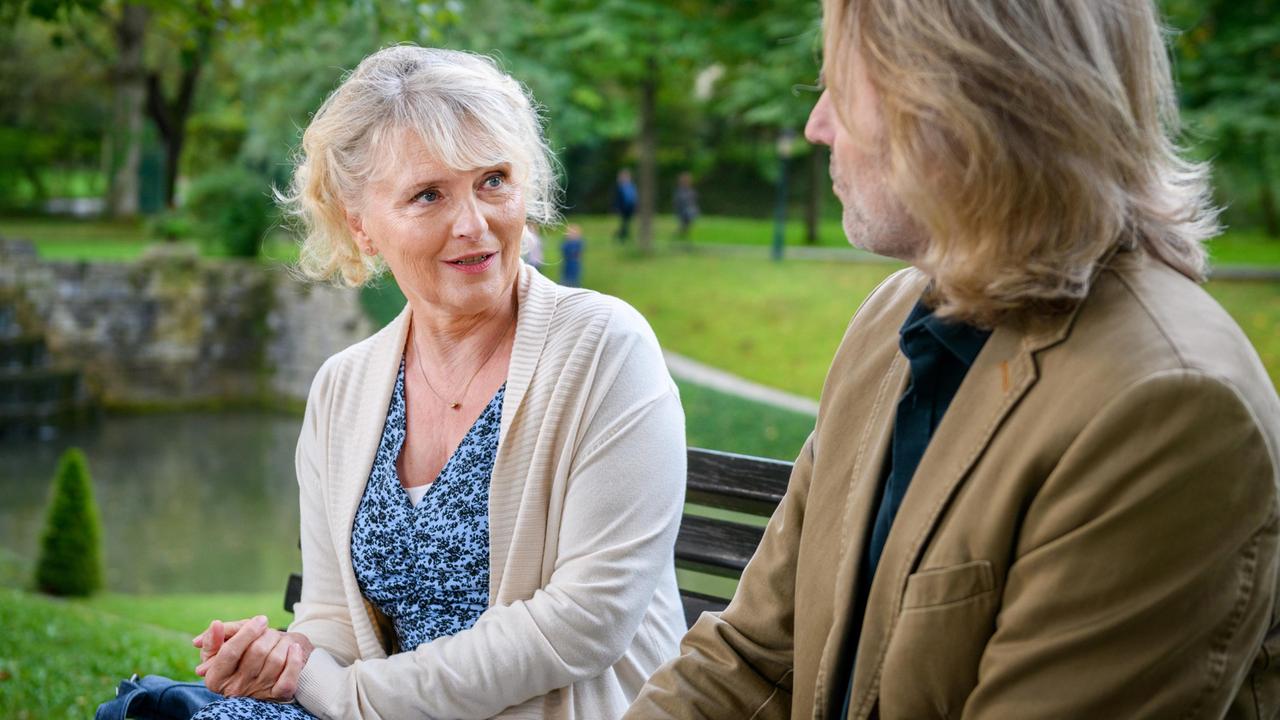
468, 113
1029, 138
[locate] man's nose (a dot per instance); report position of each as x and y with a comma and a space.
819, 129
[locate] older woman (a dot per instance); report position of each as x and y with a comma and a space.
491, 485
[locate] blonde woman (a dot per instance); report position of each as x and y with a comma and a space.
1043, 479
491, 485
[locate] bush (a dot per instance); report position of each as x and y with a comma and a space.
234, 209
170, 226
70, 561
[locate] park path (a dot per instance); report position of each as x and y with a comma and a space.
690, 370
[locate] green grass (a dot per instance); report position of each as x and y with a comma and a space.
1245, 247
726, 422
61, 658
715, 229
61, 239
112, 240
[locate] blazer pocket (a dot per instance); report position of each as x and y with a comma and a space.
931, 666
940, 586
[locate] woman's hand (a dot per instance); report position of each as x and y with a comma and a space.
246, 658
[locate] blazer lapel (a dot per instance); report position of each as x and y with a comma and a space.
867, 464
1002, 374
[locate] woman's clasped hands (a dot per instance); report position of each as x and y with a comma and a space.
247, 658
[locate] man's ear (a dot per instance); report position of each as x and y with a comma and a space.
356, 225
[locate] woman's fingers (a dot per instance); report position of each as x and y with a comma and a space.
254, 662
218, 669
212, 641
287, 684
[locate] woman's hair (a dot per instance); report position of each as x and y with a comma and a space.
468, 113
1029, 138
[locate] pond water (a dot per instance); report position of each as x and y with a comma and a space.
190, 502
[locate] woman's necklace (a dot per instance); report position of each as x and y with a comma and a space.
457, 404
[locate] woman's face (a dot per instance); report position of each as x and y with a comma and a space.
450, 237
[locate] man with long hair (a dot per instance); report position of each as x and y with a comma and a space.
1043, 478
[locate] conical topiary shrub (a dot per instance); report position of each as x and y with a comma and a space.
71, 547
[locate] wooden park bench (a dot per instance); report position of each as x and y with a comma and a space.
727, 498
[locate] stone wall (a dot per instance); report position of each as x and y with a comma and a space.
175, 328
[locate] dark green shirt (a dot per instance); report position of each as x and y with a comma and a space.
940, 353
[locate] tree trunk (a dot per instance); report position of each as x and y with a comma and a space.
647, 188
1266, 193
124, 139
171, 117
817, 189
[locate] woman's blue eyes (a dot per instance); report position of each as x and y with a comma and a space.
493, 182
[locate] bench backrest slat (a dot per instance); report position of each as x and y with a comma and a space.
736, 482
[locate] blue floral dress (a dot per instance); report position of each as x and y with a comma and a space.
425, 567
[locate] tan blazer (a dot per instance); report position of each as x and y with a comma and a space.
1092, 532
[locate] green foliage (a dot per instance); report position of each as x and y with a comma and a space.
170, 226
52, 100
1228, 64
233, 209
70, 561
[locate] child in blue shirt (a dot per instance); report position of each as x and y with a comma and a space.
571, 257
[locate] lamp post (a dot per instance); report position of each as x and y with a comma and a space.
786, 138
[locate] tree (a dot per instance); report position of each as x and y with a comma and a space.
52, 114
770, 53
625, 51
70, 561
158, 51
1228, 63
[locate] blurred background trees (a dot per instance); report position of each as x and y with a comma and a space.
134, 101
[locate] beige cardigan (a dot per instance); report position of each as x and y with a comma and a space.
584, 504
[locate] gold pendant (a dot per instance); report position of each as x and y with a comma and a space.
455, 406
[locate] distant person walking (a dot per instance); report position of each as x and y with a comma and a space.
686, 204
624, 203
571, 257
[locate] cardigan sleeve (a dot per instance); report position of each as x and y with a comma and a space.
621, 513
739, 663
321, 613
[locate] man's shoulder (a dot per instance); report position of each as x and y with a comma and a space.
1143, 317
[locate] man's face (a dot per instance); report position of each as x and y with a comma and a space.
874, 218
